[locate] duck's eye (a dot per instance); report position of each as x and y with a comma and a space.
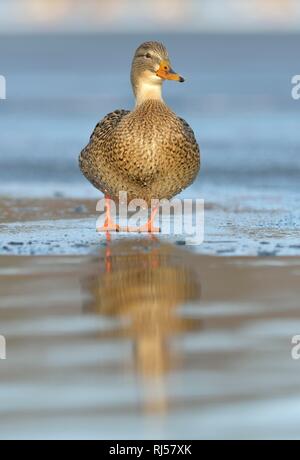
148, 56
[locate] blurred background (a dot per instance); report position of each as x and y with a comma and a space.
147, 15
67, 64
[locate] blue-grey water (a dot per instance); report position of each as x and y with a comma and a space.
146, 340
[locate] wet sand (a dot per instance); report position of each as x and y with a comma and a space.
146, 339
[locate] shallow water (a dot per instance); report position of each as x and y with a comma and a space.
237, 98
146, 340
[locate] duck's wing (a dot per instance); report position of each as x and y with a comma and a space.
189, 134
102, 132
95, 157
107, 124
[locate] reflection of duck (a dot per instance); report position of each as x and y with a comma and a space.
149, 152
143, 282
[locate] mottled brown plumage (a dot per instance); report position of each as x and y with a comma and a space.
149, 152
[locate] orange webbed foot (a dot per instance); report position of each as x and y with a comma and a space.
109, 224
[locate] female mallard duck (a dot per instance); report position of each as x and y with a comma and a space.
148, 152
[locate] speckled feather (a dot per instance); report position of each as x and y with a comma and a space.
149, 153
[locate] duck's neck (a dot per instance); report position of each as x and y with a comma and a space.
145, 91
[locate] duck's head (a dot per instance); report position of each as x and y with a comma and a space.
150, 67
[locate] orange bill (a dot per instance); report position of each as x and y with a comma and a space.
167, 73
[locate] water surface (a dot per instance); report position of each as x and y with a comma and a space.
146, 340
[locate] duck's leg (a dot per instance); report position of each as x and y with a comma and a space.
149, 226
109, 224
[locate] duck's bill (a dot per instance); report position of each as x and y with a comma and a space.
167, 73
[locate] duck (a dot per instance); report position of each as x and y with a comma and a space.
149, 152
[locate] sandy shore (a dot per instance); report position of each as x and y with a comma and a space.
146, 339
